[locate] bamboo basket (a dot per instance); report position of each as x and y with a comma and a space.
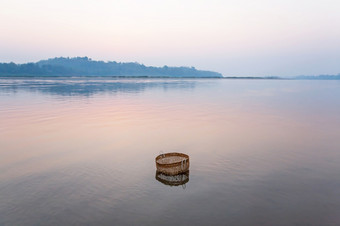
172, 163
175, 180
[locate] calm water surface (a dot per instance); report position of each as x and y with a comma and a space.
81, 151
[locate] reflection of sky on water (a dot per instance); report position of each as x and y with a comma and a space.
261, 152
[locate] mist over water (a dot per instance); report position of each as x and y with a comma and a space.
82, 151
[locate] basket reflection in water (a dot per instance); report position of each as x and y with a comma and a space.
172, 168
174, 180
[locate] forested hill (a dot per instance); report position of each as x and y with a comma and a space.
84, 66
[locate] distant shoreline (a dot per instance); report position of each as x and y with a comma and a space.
84, 66
159, 77
139, 77
106, 76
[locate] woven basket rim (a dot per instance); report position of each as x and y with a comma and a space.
169, 155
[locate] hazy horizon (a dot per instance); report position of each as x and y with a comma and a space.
235, 38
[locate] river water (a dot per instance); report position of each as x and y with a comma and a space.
81, 151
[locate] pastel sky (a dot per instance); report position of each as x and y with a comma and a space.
235, 37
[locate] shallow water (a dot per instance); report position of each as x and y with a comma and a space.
82, 151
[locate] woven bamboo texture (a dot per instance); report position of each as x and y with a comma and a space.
172, 163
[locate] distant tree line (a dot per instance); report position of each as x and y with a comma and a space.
84, 66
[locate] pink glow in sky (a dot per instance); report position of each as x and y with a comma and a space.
245, 37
